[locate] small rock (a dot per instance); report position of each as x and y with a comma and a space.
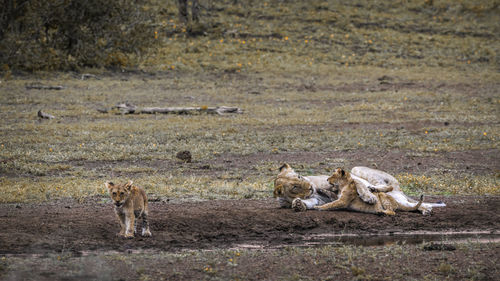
184, 156
385, 78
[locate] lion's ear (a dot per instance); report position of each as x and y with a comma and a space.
278, 191
109, 184
285, 166
128, 186
342, 172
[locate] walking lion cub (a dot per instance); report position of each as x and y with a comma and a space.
349, 199
131, 204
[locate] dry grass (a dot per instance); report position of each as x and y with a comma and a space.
291, 263
306, 80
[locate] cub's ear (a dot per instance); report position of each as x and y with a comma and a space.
285, 166
109, 184
128, 185
342, 172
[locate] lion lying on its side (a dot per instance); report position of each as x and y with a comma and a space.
302, 193
349, 199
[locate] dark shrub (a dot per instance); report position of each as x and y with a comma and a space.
69, 34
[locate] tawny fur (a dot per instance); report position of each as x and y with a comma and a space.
377, 180
349, 198
131, 204
301, 193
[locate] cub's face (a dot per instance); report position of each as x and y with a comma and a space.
290, 185
339, 177
119, 192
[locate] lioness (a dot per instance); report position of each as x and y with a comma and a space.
303, 193
377, 180
349, 199
130, 203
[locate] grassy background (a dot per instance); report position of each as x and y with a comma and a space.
306, 75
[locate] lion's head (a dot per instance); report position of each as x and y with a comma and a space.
289, 185
119, 192
338, 178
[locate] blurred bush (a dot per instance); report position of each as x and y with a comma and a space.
71, 34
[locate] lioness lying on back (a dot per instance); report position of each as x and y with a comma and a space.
130, 203
349, 199
378, 179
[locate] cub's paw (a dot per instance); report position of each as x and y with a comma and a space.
298, 205
368, 198
128, 236
389, 212
146, 233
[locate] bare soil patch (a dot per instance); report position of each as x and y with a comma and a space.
91, 225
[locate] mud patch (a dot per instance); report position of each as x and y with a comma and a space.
70, 226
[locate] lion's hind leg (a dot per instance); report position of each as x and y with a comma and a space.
381, 188
387, 204
145, 225
363, 190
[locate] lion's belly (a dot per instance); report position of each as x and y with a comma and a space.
319, 181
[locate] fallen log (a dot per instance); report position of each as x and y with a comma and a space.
128, 108
43, 87
44, 115
221, 110
86, 76
125, 108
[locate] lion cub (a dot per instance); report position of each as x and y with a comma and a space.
130, 203
349, 199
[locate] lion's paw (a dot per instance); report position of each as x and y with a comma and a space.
146, 233
426, 211
298, 205
368, 198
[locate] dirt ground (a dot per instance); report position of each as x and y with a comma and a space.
267, 241
91, 225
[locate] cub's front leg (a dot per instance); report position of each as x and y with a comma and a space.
121, 219
337, 204
129, 224
344, 200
